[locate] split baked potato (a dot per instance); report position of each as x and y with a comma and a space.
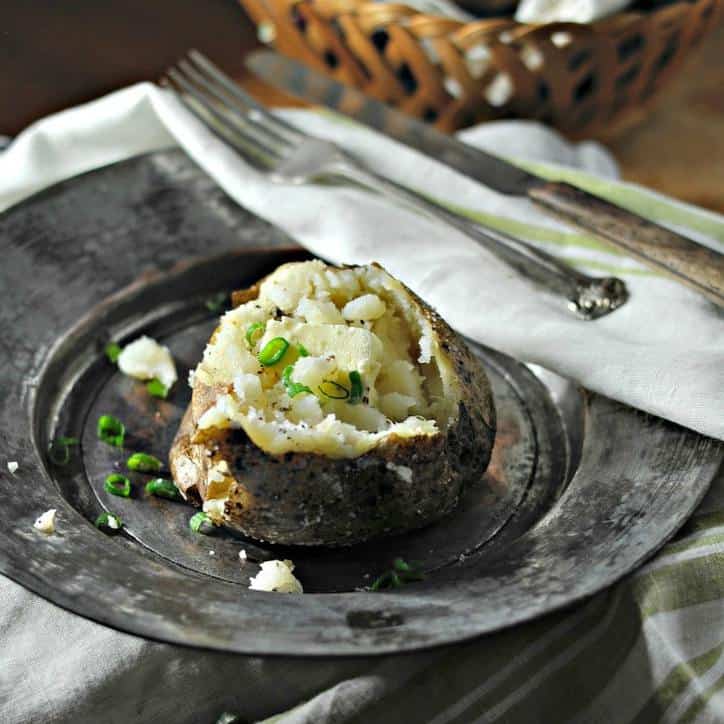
332, 405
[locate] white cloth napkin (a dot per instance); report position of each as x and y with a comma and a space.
662, 352
567, 11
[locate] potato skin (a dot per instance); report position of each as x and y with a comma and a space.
310, 499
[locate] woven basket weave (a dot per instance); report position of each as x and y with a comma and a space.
583, 79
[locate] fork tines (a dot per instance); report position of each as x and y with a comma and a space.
229, 111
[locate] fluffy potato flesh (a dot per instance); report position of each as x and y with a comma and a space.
321, 377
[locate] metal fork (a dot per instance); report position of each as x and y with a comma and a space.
290, 156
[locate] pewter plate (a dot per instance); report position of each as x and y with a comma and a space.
580, 489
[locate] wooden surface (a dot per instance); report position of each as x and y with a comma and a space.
55, 55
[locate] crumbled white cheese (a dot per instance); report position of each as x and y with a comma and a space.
368, 306
46, 522
403, 472
243, 557
211, 553
112, 522
276, 577
12, 467
146, 359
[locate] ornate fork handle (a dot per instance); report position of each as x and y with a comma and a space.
589, 297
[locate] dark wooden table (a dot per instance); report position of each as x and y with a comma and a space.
57, 54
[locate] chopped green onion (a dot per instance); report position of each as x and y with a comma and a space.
156, 388
217, 303
111, 430
162, 488
273, 351
201, 523
333, 390
389, 579
254, 332
401, 573
293, 388
59, 450
113, 351
143, 463
302, 350
357, 390
109, 523
117, 484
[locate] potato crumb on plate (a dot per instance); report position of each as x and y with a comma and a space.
46, 522
146, 359
276, 577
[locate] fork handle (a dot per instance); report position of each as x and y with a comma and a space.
588, 297
692, 264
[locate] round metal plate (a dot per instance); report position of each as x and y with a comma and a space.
580, 489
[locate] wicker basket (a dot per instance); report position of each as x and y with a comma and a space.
583, 79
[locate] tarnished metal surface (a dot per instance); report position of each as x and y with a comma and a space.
580, 490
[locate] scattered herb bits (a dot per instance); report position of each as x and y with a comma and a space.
401, 573
254, 333
333, 390
59, 450
109, 523
144, 463
302, 350
117, 484
273, 351
201, 523
162, 488
156, 388
293, 388
356, 388
113, 351
111, 430
218, 303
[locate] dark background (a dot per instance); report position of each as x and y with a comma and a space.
57, 53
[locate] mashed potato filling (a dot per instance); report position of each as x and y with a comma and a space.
329, 361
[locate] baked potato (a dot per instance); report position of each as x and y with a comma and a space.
332, 405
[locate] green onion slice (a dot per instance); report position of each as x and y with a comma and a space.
217, 303
117, 484
109, 523
357, 390
273, 351
254, 332
401, 573
201, 523
111, 430
143, 463
389, 579
302, 350
162, 488
113, 352
156, 388
333, 390
59, 450
293, 388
